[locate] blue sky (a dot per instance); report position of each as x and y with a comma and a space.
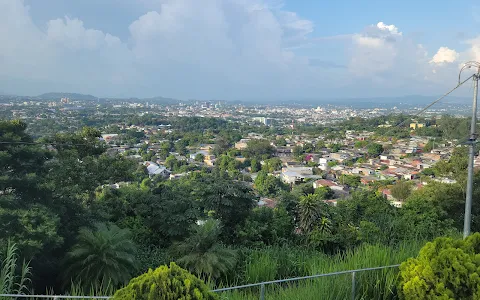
236, 49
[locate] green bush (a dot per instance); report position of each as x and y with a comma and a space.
444, 269
169, 283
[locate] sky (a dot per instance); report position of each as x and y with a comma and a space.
237, 49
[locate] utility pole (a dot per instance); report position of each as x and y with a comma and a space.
471, 151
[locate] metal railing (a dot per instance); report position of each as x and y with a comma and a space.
265, 283
262, 285
52, 297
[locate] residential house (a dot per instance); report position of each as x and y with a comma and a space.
281, 151
340, 156
323, 183
203, 152
209, 160
294, 175
271, 203
323, 163
242, 144
154, 169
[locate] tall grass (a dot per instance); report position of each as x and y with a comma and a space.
10, 281
271, 264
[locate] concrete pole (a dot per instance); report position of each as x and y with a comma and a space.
471, 157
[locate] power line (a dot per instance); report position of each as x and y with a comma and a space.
436, 101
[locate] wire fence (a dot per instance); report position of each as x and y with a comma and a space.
261, 285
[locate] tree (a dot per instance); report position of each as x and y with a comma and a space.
367, 206
255, 165
350, 180
320, 145
311, 209
281, 142
156, 216
269, 185
260, 149
303, 189
447, 197
297, 151
272, 164
266, 226
335, 148
360, 144
181, 147
428, 146
444, 269
28, 219
324, 193
229, 201
308, 148
421, 219
221, 146
325, 225
86, 142
199, 157
455, 167
202, 254
165, 149
171, 162
105, 255
401, 190
165, 283
332, 163
374, 149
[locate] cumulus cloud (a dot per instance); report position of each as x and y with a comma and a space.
391, 29
210, 48
445, 55
375, 49
473, 52
179, 47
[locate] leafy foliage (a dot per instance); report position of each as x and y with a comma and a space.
10, 281
444, 269
104, 255
202, 254
269, 185
401, 190
169, 283
260, 149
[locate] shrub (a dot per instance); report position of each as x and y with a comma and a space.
169, 283
444, 269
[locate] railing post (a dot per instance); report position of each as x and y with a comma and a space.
353, 285
262, 292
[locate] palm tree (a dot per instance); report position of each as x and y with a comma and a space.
101, 257
310, 211
202, 254
325, 225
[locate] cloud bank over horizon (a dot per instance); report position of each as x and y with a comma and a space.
224, 49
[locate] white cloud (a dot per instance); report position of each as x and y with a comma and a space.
391, 29
367, 41
181, 48
374, 50
473, 53
444, 55
209, 48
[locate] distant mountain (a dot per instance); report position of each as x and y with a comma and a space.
72, 96
162, 100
